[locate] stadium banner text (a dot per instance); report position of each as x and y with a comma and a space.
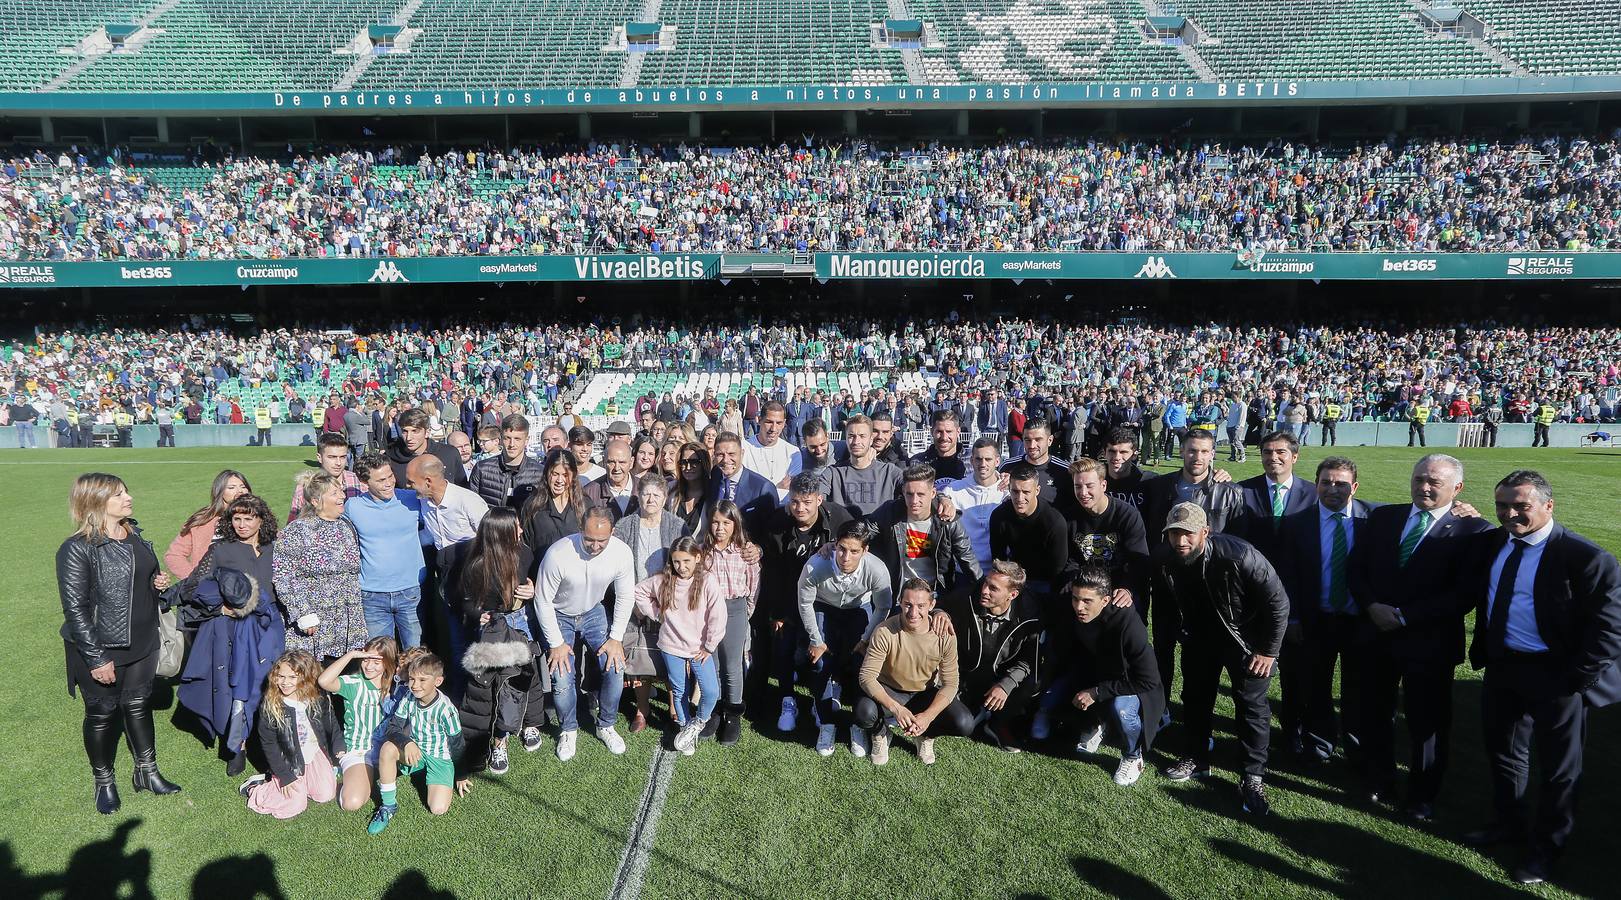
1098, 93
828, 266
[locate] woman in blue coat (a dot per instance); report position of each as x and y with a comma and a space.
241, 630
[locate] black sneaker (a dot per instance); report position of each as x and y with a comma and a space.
246, 787
1185, 769
1253, 793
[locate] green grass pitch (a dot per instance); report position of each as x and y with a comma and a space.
765, 819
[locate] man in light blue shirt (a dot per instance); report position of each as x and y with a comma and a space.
388, 521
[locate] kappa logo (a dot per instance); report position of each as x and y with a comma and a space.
387, 272
1155, 267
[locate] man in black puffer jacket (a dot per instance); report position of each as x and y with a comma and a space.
1229, 611
508, 478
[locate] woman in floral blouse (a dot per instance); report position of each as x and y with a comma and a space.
317, 574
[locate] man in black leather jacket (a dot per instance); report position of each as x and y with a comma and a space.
916, 542
1229, 611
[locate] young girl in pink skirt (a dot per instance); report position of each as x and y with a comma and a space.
300, 736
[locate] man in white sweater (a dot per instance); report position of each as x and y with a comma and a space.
575, 575
976, 496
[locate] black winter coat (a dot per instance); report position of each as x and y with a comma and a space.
279, 740
499, 485
1247, 598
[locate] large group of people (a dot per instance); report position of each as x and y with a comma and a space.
420, 610
995, 373
1424, 195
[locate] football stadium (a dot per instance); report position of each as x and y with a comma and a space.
946, 448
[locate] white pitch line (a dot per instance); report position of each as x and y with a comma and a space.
627, 883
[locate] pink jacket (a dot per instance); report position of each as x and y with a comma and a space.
187, 549
683, 631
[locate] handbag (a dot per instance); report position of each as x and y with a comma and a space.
171, 644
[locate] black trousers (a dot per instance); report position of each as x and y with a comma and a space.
1293, 667
1426, 693
1330, 437
1415, 428
1523, 702
1539, 435
964, 712
1331, 639
1491, 434
1202, 664
869, 713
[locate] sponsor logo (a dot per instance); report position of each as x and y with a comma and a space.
269, 273
27, 274
510, 269
1155, 267
843, 265
387, 273
1409, 265
654, 268
1033, 265
1541, 265
146, 273
1260, 261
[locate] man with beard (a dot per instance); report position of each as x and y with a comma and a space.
1052, 474
945, 454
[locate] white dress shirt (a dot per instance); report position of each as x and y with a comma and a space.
455, 517
1523, 634
1325, 541
573, 582
1412, 516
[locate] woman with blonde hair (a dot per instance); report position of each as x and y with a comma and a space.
436, 425
109, 581
317, 574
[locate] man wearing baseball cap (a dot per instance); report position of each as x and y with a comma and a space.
1229, 612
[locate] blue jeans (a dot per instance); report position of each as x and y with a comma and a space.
25, 436
593, 627
1126, 714
705, 673
393, 614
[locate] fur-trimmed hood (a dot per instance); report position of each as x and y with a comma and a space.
252, 602
491, 656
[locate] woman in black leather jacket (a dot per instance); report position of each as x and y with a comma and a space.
109, 580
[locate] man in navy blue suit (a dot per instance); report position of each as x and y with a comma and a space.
1407, 571
1325, 625
730, 481
1269, 498
1548, 633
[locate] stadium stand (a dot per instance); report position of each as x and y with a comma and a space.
1001, 42
33, 33
1554, 37
619, 390
763, 42
507, 44
1328, 39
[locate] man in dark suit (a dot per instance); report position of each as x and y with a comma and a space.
1268, 499
1406, 571
1548, 634
730, 481
1313, 555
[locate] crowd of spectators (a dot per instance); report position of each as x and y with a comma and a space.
197, 374
1422, 196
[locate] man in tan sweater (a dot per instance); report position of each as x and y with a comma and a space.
908, 674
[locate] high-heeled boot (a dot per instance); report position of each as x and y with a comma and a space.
101, 746
138, 731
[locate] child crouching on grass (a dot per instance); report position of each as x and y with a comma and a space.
300, 737
423, 735
363, 694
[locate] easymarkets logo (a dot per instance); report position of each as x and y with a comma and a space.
1033, 265
27, 274
1541, 266
843, 265
510, 269
268, 273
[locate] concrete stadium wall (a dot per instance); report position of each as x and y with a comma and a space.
1350, 434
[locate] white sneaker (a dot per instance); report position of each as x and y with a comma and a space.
565, 745
1041, 727
531, 739
686, 740
789, 720
1090, 742
858, 741
610, 737
925, 751
826, 737
880, 746
1129, 771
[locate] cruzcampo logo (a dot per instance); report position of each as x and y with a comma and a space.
387, 273
1155, 267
